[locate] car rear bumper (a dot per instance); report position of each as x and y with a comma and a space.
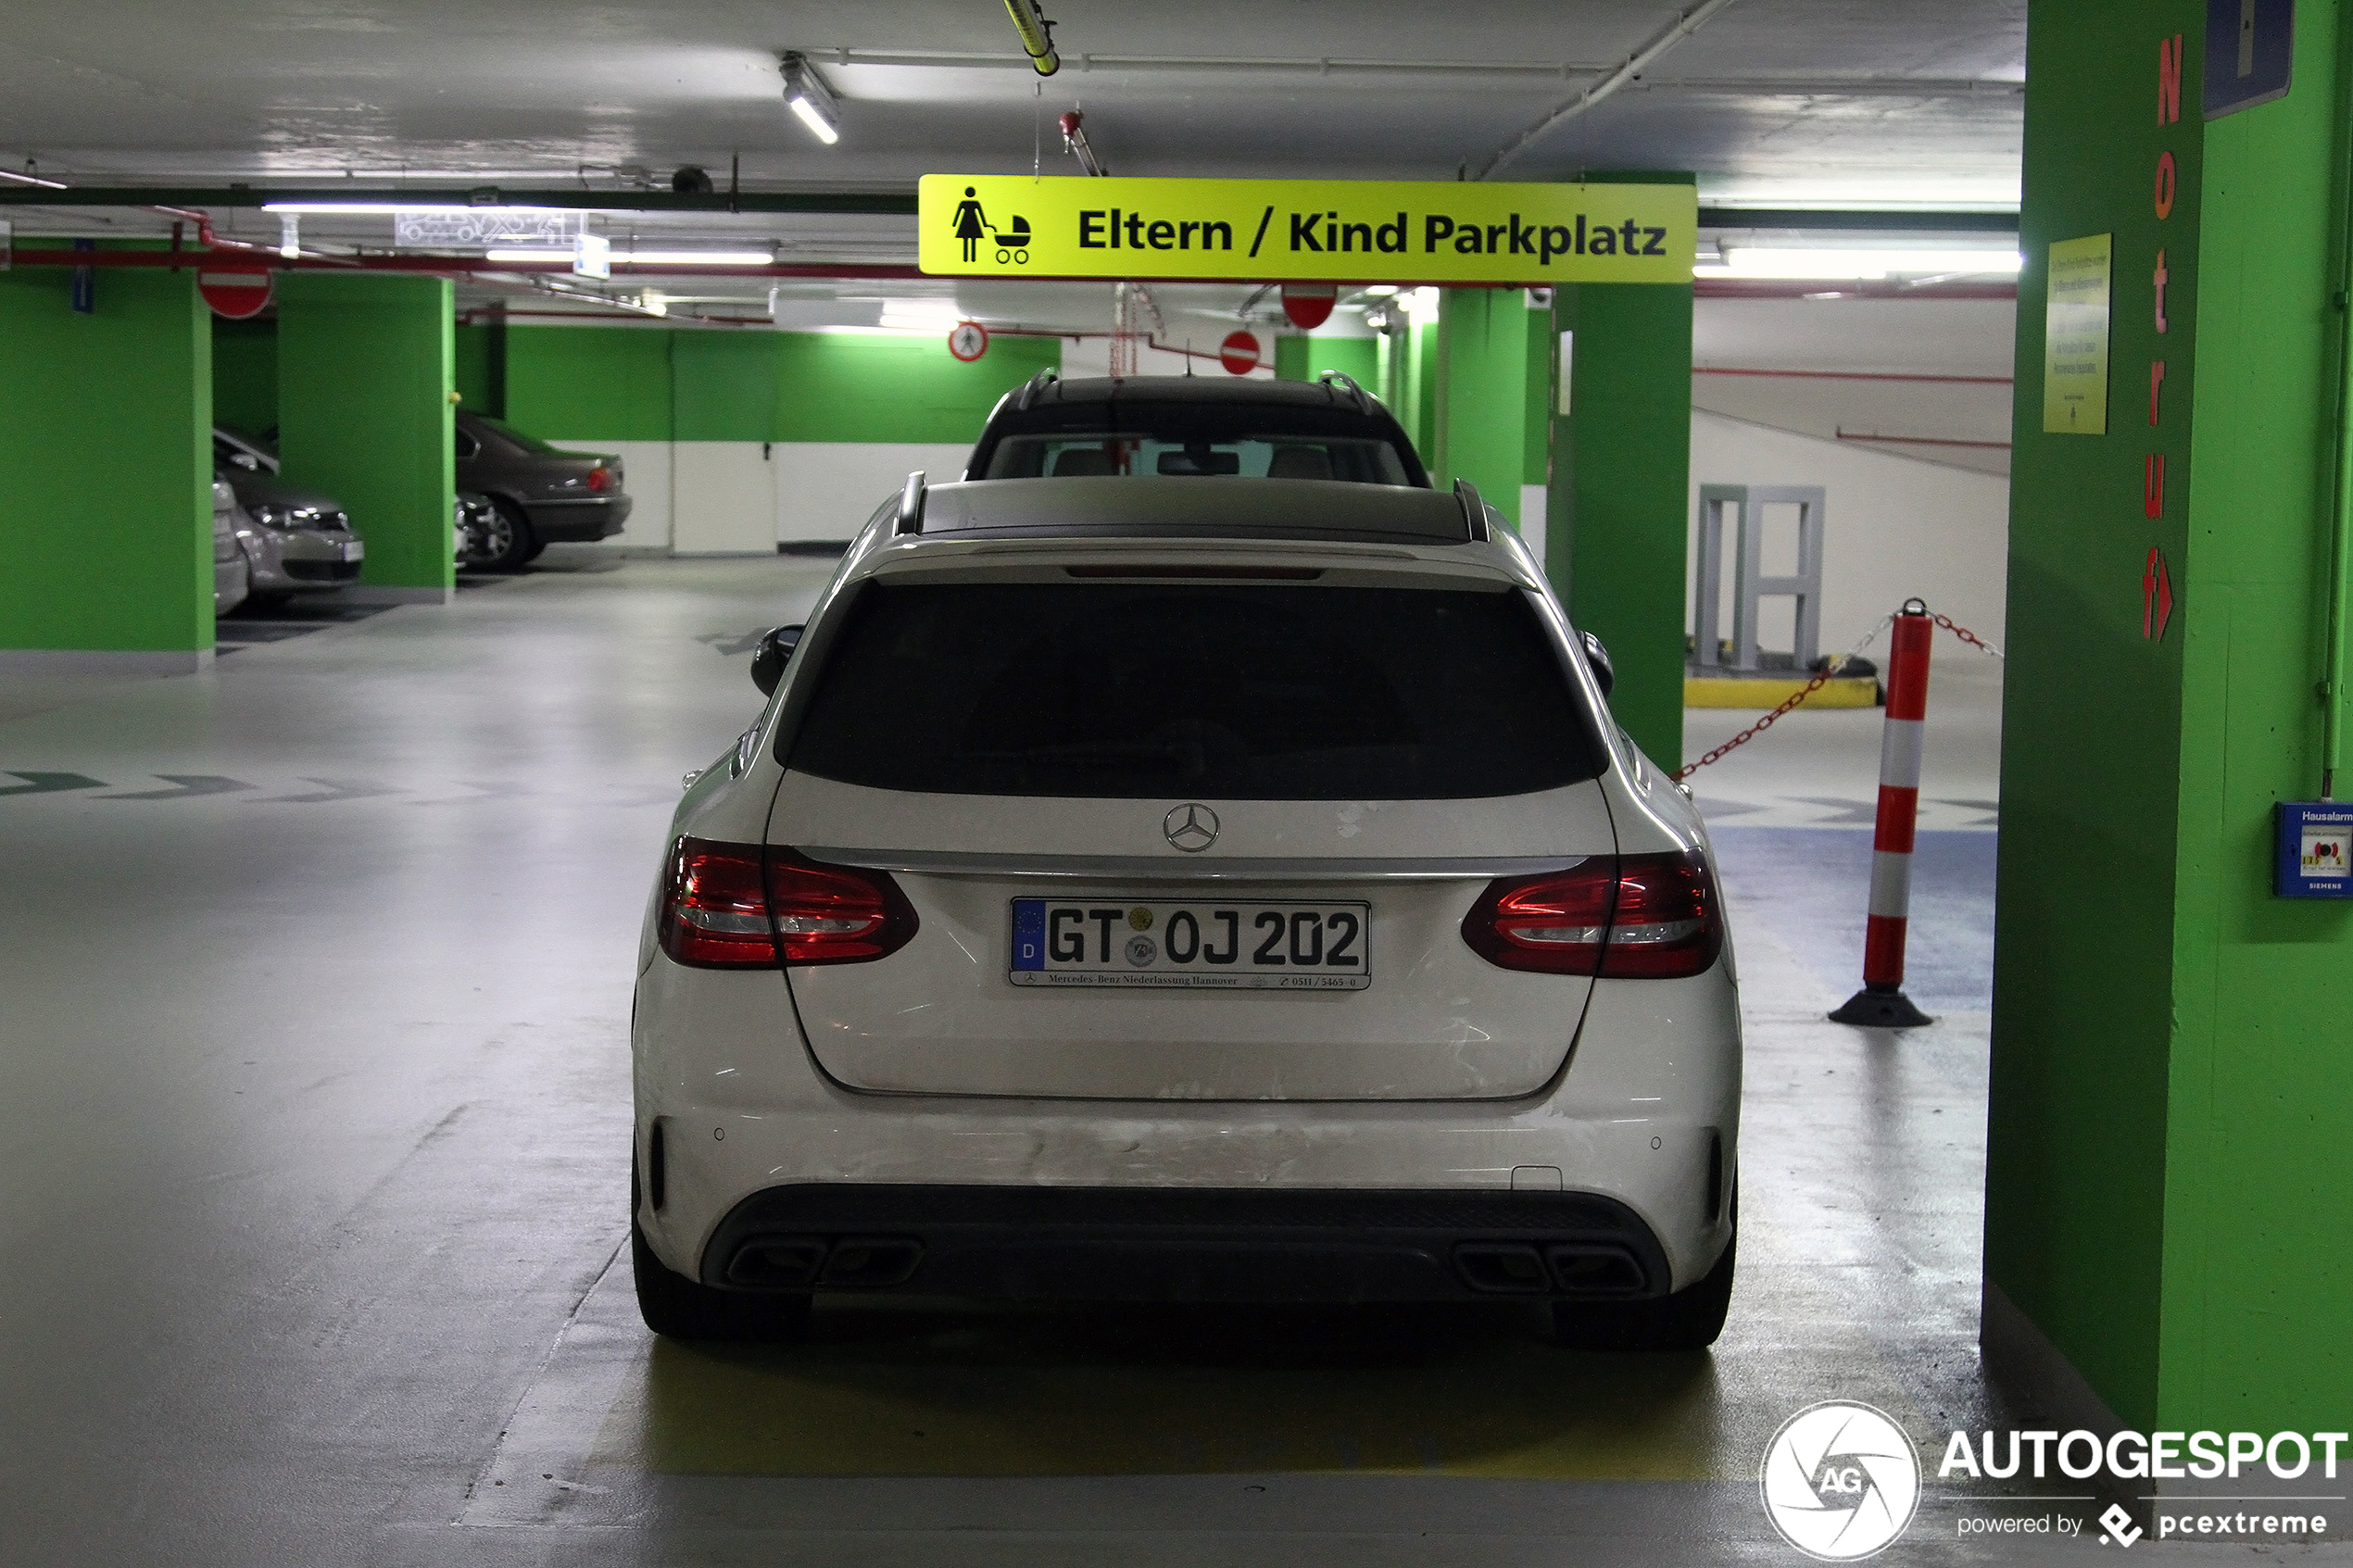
1645, 1118
1186, 1245
584, 521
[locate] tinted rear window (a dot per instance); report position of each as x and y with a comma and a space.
1245, 692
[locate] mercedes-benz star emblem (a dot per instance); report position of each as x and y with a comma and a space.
1192, 827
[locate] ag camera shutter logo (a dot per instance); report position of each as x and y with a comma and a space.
1839, 1481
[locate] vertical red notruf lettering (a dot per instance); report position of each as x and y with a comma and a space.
2165, 181
2160, 290
2168, 79
2153, 485
2157, 380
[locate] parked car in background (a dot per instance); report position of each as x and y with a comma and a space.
232, 578
542, 495
1177, 427
302, 540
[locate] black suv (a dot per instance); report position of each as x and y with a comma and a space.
1182, 426
541, 495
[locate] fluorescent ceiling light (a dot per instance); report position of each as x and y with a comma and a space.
385, 209
649, 257
809, 115
1755, 261
812, 102
1380, 290
920, 314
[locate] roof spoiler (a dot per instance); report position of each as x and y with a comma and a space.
1034, 385
1465, 494
911, 504
1366, 402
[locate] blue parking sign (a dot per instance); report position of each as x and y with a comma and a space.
2250, 49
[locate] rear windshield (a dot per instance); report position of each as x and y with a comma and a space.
1248, 692
1350, 460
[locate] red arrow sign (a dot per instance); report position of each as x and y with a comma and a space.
2156, 595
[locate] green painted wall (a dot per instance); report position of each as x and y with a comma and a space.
1482, 394
479, 364
364, 376
889, 386
1615, 532
107, 464
2170, 1108
1304, 357
688, 384
244, 374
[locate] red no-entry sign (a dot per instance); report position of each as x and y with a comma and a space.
234, 288
1239, 353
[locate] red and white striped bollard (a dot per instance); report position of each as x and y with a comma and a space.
1881, 1004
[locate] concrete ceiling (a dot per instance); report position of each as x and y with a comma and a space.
1842, 101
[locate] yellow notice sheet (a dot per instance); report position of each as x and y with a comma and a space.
2075, 314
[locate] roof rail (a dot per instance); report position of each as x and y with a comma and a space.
1466, 496
1034, 385
911, 504
1364, 400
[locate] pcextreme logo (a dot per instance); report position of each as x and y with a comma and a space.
1839, 1481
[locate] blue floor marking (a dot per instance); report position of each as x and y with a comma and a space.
1810, 886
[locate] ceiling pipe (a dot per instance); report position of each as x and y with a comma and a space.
851, 203
1675, 32
1036, 35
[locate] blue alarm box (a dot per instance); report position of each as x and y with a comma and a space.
2316, 849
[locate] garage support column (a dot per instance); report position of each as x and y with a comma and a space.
365, 370
2170, 1107
1482, 371
107, 469
1618, 524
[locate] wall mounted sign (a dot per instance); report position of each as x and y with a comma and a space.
1273, 230
2250, 52
2315, 849
1240, 353
2075, 314
968, 341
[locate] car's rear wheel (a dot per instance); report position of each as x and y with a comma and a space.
679, 1307
1689, 1320
508, 542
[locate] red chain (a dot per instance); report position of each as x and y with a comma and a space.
1815, 685
1763, 724
1971, 638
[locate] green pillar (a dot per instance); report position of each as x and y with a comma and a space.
105, 535
1615, 528
1417, 411
2170, 1105
365, 370
1482, 394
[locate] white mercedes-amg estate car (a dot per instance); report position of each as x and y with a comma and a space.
1186, 889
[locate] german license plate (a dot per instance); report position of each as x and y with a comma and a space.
355, 550
1225, 944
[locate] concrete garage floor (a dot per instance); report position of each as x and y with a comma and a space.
313, 1053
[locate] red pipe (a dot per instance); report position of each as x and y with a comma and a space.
1850, 375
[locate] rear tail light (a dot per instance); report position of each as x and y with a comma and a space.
600, 479
1619, 917
743, 905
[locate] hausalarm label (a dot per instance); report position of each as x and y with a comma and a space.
1440, 232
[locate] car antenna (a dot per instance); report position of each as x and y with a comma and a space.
1188, 358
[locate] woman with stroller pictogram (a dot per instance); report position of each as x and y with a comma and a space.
971, 227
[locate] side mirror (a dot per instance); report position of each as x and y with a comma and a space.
1597, 655
768, 663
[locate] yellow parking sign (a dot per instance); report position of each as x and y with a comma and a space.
1274, 230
